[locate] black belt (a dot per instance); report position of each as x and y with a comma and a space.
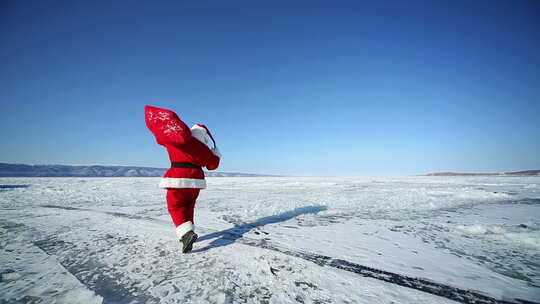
184, 165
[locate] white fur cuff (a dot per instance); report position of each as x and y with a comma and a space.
216, 152
184, 228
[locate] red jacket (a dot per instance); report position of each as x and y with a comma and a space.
176, 137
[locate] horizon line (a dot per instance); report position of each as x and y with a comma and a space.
277, 175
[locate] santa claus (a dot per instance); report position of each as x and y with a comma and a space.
189, 150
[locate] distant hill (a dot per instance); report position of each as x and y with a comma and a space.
516, 173
22, 170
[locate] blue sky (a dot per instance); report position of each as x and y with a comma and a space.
314, 88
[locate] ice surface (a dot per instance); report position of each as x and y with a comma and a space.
110, 240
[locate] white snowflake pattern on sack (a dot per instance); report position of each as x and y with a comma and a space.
171, 126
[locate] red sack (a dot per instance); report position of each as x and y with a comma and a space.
166, 126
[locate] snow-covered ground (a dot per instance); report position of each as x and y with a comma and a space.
273, 240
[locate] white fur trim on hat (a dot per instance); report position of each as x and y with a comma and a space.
171, 182
183, 229
200, 133
196, 126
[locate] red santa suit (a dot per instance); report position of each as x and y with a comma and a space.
189, 151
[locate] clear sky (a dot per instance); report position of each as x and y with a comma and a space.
314, 88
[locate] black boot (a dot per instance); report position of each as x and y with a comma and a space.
187, 241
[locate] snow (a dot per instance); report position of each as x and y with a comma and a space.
270, 240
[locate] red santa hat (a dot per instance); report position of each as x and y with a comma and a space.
201, 132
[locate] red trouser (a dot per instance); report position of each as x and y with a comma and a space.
181, 204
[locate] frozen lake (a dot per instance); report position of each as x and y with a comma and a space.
273, 240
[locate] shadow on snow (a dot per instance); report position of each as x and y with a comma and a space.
229, 236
